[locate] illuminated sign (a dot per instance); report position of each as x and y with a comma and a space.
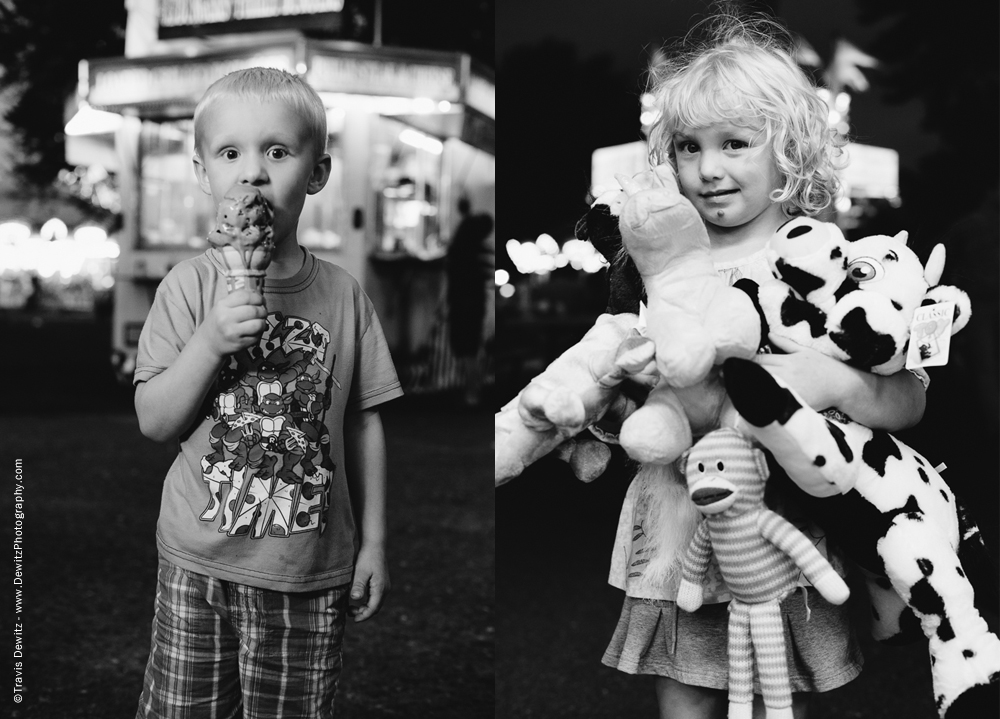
872, 172
186, 17
383, 76
116, 86
606, 162
482, 95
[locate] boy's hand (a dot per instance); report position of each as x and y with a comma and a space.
815, 376
235, 322
371, 583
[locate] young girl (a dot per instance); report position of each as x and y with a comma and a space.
748, 136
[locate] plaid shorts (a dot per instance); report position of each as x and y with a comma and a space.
223, 650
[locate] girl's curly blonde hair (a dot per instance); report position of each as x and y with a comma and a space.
741, 70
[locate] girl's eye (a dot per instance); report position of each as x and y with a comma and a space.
737, 144
687, 147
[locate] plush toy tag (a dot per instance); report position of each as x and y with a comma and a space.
930, 335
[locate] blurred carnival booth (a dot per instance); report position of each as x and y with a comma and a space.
411, 133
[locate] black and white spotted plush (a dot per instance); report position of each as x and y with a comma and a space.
882, 501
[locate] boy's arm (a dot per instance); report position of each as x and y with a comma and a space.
887, 402
364, 448
167, 403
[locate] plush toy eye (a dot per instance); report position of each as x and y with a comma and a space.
701, 467
720, 467
865, 269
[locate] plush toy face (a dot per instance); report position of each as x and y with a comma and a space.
887, 266
725, 473
851, 300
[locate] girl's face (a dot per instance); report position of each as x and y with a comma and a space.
728, 175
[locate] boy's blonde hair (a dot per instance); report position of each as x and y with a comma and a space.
265, 84
743, 72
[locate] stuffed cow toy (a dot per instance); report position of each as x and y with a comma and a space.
760, 555
887, 506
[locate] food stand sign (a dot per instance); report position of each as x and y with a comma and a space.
113, 84
384, 75
482, 95
184, 18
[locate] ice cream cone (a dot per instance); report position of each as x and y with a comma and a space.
243, 237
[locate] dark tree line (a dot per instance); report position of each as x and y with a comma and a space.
949, 62
562, 108
41, 43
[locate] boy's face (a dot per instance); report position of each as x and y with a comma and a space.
728, 174
264, 144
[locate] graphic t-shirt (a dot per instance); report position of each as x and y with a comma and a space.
258, 492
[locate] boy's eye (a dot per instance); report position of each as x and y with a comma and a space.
278, 153
230, 154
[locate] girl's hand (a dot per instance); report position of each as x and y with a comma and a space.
236, 322
818, 379
371, 583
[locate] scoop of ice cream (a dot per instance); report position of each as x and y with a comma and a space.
243, 223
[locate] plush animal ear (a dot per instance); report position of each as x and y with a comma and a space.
902, 236
935, 266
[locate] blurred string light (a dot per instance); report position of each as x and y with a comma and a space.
545, 255
502, 282
839, 105
54, 253
649, 113
54, 229
14, 232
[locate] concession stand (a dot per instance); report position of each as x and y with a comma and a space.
411, 132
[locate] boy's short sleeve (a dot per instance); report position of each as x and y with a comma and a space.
168, 327
375, 380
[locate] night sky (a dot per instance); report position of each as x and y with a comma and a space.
634, 27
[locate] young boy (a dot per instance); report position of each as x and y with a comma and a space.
281, 445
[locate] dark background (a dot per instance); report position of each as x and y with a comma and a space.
578, 70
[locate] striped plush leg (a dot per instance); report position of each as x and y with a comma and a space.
740, 661
772, 665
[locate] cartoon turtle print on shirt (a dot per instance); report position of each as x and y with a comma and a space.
269, 472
